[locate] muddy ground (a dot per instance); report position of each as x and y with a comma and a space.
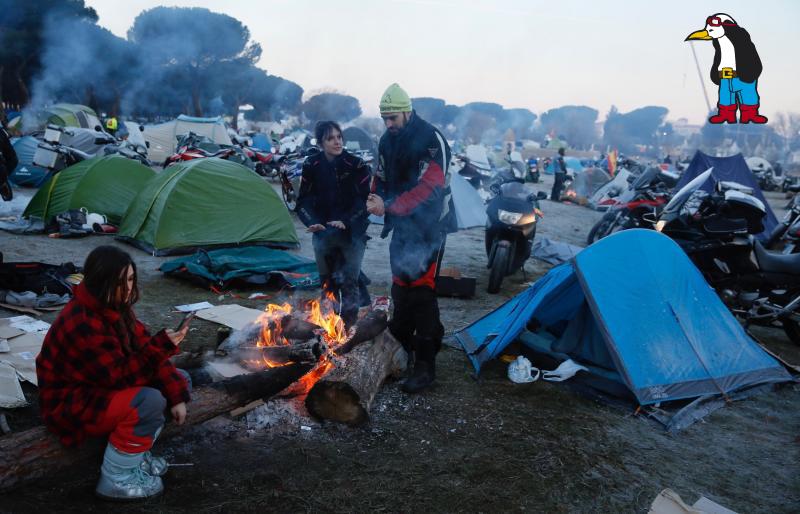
467, 445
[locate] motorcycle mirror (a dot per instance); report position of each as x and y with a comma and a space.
98, 128
141, 128
541, 195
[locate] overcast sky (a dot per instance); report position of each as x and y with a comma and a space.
532, 54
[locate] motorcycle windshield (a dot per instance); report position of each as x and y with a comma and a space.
515, 191
680, 198
644, 180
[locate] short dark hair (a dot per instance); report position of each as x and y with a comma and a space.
324, 128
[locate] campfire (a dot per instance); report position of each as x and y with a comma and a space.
283, 327
345, 367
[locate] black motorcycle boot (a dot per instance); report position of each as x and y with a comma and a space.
424, 373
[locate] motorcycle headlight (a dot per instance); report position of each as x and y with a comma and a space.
510, 218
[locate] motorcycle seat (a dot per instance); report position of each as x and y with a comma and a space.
770, 262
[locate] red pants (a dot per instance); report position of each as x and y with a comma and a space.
133, 419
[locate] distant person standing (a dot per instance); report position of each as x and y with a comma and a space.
561, 176
8, 161
411, 190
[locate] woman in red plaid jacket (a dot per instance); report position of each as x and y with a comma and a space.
102, 374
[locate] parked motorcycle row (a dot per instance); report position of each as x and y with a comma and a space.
720, 231
61, 147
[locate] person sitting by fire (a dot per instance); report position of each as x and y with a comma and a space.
332, 204
101, 373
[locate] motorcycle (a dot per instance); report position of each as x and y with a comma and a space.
717, 232
786, 234
512, 215
54, 154
638, 207
533, 170
291, 171
193, 146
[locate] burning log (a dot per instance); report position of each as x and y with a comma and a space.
304, 351
289, 328
345, 394
295, 329
36, 453
367, 328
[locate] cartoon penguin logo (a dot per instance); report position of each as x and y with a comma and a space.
735, 70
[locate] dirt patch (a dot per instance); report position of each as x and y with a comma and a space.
467, 445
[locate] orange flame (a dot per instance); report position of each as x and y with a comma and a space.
318, 312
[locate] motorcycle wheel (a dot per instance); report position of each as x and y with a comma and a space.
792, 329
287, 191
498, 270
602, 228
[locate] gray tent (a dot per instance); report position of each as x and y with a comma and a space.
470, 209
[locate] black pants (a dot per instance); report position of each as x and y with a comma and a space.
415, 322
558, 185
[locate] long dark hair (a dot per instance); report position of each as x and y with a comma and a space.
104, 272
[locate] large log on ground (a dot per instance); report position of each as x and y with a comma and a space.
345, 394
36, 453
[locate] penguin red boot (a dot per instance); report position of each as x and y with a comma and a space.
750, 114
727, 113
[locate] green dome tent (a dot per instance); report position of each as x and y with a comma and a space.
105, 185
206, 203
70, 115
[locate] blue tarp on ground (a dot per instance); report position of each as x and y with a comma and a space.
252, 264
26, 174
731, 169
635, 304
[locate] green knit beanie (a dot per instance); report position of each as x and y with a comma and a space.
394, 99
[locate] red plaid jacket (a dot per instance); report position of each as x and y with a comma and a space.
87, 357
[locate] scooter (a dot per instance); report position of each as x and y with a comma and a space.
512, 215
717, 231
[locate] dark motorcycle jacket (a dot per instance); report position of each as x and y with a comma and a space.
412, 178
337, 190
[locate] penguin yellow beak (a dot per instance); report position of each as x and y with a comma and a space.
699, 34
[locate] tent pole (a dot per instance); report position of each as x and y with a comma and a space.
700, 75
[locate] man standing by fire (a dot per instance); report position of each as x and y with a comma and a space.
411, 189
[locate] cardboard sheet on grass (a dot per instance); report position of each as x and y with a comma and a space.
21, 339
249, 265
236, 317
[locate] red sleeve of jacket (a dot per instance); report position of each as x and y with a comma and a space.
430, 184
167, 378
172, 384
